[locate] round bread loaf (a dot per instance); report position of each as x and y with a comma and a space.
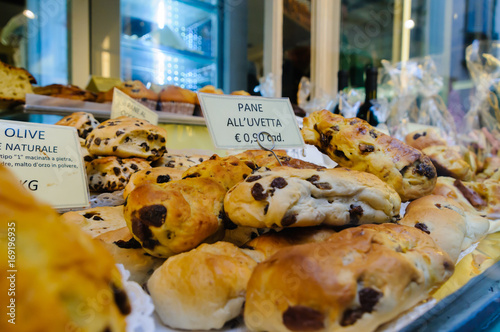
82, 121
127, 251
112, 173
173, 217
449, 162
356, 280
202, 288
65, 281
152, 175
227, 171
182, 162
127, 137
261, 158
268, 244
354, 144
423, 138
289, 197
97, 220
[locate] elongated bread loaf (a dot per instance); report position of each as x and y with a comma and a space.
290, 197
356, 280
354, 144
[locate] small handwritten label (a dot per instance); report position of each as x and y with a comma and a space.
238, 122
124, 105
47, 160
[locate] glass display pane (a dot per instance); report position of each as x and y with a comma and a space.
170, 42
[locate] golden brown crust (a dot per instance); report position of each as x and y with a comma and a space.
152, 175
98, 220
65, 91
356, 280
134, 89
112, 173
202, 288
60, 268
452, 228
289, 197
449, 162
227, 171
174, 217
483, 197
240, 93
354, 144
209, 89
271, 242
262, 158
177, 94
83, 122
420, 139
126, 137
15, 83
182, 162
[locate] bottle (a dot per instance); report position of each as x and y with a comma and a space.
365, 112
343, 77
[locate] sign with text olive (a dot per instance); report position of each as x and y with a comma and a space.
47, 161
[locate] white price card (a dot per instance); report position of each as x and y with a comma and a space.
241, 122
47, 160
123, 105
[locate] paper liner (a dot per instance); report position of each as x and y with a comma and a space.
177, 108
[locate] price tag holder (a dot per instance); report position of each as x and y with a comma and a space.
124, 105
241, 122
47, 160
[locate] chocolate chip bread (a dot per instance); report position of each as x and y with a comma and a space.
126, 137
152, 175
450, 226
83, 122
356, 280
289, 197
227, 171
202, 289
182, 162
112, 173
173, 217
449, 162
354, 144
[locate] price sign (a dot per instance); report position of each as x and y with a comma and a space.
124, 105
47, 160
240, 122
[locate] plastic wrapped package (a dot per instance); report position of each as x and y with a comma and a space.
481, 127
416, 101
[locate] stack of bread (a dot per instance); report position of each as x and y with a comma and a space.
306, 248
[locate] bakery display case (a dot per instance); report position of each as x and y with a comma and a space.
171, 42
239, 241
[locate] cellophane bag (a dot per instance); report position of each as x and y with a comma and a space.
416, 101
480, 131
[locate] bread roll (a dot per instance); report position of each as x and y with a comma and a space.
423, 138
483, 197
83, 122
65, 281
202, 288
152, 175
289, 197
97, 220
354, 144
356, 280
173, 217
126, 137
269, 243
449, 162
112, 173
227, 171
128, 252
452, 228
261, 158
182, 162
